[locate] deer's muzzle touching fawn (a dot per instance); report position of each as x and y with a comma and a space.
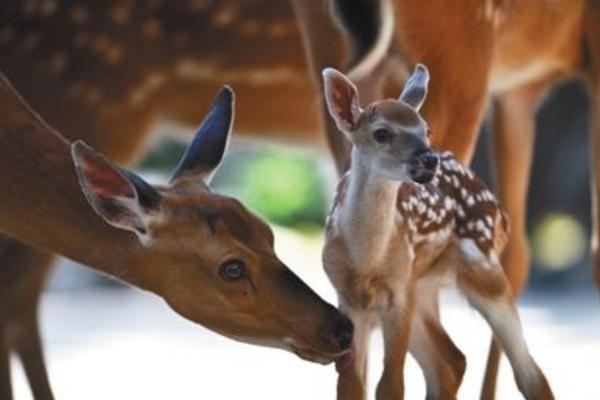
205, 254
405, 221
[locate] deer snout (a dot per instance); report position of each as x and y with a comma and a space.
337, 331
423, 165
343, 332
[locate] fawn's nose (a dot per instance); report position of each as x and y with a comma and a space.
423, 165
343, 332
427, 158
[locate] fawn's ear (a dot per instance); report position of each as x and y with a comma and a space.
415, 89
341, 97
121, 198
205, 152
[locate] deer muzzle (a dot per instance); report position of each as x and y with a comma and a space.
423, 165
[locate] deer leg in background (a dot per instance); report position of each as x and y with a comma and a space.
514, 133
459, 86
23, 276
29, 348
5, 385
592, 32
324, 46
455, 109
595, 170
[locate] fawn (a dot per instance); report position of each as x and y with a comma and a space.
404, 222
517, 51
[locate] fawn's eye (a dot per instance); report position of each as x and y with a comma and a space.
232, 270
382, 135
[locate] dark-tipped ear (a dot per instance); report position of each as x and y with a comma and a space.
204, 154
121, 198
341, 97
415, 89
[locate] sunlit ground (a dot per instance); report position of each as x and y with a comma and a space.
124, 344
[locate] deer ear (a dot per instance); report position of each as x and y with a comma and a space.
121, 198
205, 152
415, 89
341, 97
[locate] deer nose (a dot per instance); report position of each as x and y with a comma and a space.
343, 332
423, 165
427, 158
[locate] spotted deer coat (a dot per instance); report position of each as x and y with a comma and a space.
454, 212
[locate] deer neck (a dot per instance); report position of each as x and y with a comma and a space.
368, 216
41, 202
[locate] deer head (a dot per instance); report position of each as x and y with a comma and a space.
208, 256
389, 136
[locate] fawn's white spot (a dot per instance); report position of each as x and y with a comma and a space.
464, 193
480, 225
448, 203
430, 214
488, 233
470, 201
455, 181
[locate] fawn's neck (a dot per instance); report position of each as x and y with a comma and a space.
368, 215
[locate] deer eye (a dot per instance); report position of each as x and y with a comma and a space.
382, 135
232, 270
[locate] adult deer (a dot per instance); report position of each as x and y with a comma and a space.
406, 221
508, 52
106, 72
209, 258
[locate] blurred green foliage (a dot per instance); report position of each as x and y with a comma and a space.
282, 185
286, 188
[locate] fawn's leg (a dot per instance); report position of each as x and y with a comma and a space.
396, 324
488, 290
514, 133
352, 379
442, 363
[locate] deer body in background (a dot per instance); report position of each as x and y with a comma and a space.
392, 243
117, 67
208, 257
507, 53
